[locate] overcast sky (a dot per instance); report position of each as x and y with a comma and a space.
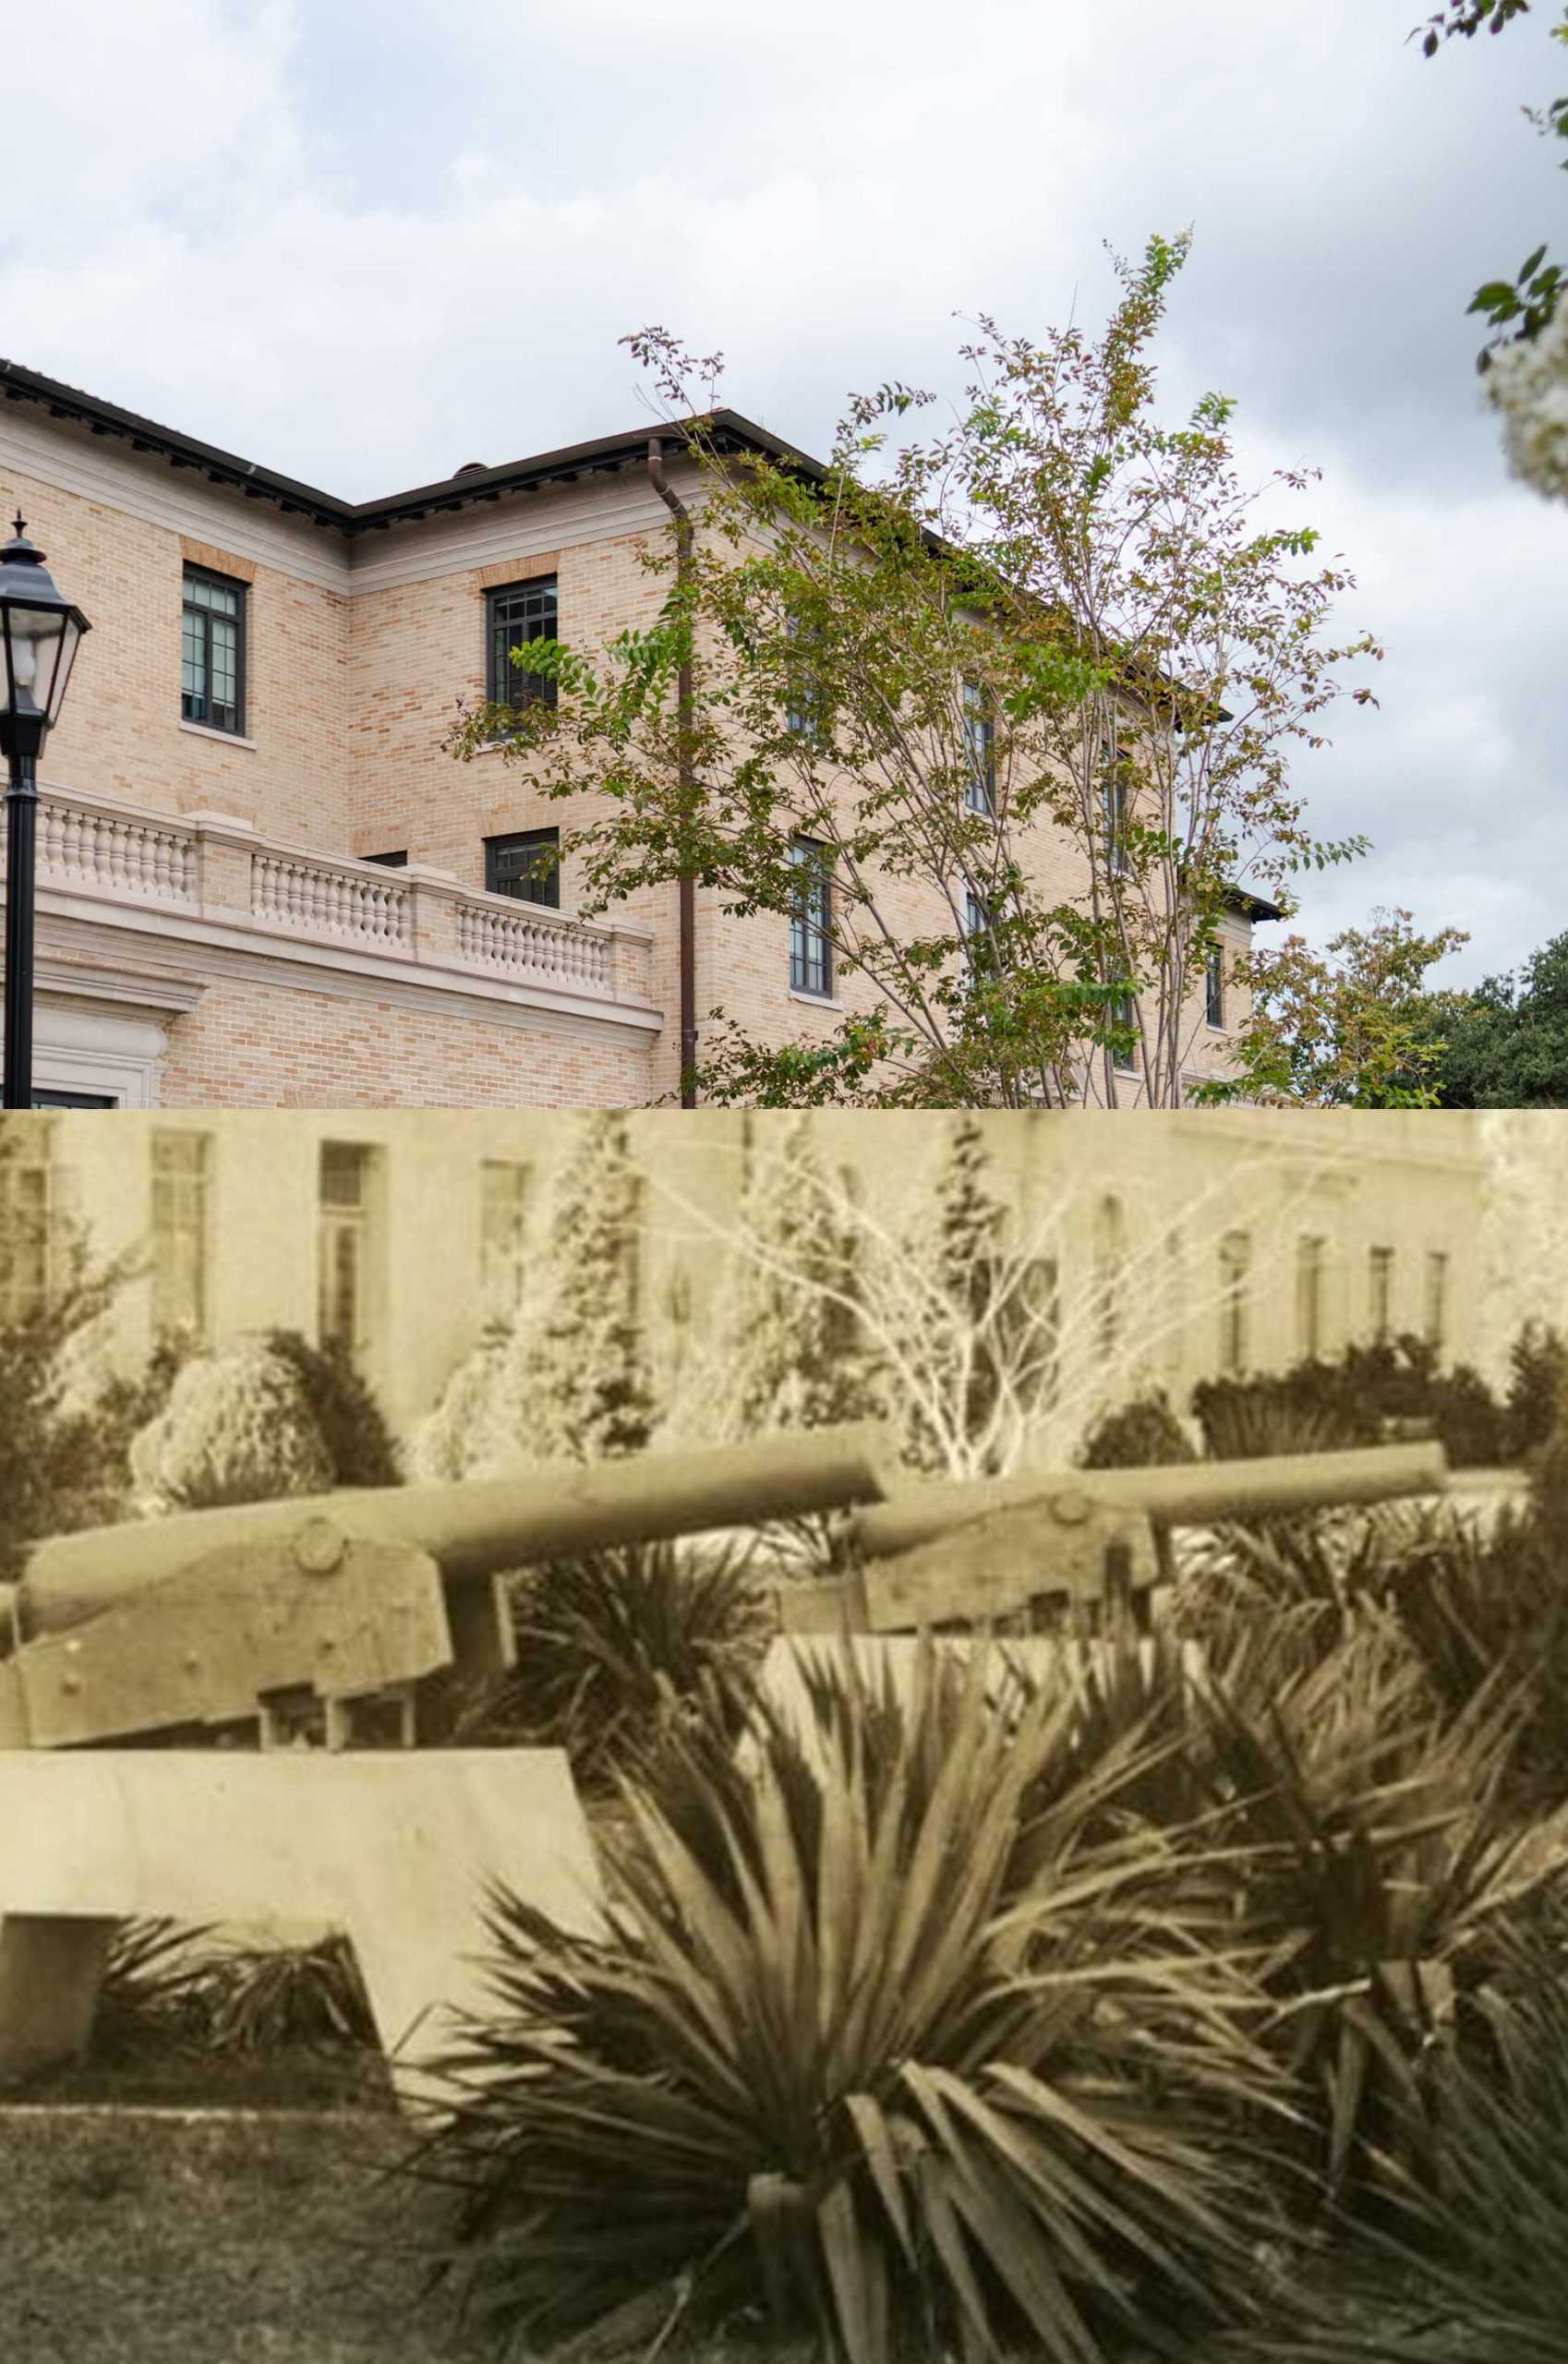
366, 243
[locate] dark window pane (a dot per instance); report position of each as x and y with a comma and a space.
212, 653
523, 612
526, 865
811, 951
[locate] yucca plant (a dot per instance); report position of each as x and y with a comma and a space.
1376, 1838
151, 1997
610, 1643
1472, 2266
273, 1999
832, 2051
1475, 1600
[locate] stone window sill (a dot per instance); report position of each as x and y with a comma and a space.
815, 1001
223, 738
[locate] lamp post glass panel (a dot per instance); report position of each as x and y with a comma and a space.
40, 632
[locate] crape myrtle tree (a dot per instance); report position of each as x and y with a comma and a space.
1004, 718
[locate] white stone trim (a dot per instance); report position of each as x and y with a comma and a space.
100, 1052
223, 738
142, 484
234, 953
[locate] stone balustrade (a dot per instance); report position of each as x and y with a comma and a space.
209, 869
331, 898
115, 851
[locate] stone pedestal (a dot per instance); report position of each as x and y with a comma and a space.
398, 1849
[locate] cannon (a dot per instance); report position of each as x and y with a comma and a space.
215, 1717
347, 1617
321, 1639
940, 1554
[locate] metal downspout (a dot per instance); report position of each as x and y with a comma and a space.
688, 901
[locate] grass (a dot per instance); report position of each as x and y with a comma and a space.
135, 2238
132, 2238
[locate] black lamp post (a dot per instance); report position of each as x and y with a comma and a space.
40, 632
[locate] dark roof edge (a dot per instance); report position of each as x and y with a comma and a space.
1255, 908
604, 453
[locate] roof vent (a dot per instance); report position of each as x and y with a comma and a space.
471, 468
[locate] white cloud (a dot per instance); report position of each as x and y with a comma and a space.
365, 246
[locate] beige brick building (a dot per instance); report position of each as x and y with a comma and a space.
1219, 1241
263, 881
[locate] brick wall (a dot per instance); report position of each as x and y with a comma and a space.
258, 1046
357, 653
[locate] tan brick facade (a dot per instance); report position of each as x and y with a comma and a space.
358, 647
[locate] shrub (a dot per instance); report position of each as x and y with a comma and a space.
1142, 1435
1246, 1419
1537, 1390
238, 1427
359, 1445
1369, 1391
829, 2052
1476, 2265
611, 1645
1375, 1837
270, 1998
62, 1457
150, 1999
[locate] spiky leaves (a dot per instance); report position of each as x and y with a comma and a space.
835, 2051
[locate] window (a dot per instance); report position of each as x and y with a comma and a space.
1380, 1293
344, 1243
1436, 1309
1030, 1327
514, 615
212, 652
1114, 809
33, 1228
811, 948
979, 750
388, 860
1214, 985
1124, 1055
503, 1212
633, 1240
526, 865
981, 950
1174, 1306
1310, 1267
1110, 1255
1235, 1259
805, 710
181, 1175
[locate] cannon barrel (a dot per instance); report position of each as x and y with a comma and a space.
473, 1530
1180, 1494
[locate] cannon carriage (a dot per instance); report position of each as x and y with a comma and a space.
235, 1712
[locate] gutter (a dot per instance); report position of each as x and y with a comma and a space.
688, 783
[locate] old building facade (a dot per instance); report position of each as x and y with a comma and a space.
1223, 1241
264, 881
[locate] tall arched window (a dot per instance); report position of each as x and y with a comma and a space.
1235, 1259
1110, 1256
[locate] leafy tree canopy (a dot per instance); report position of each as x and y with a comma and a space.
1505, 1044
882, 699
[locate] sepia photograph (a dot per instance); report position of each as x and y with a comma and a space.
783, 1249
728, 1734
